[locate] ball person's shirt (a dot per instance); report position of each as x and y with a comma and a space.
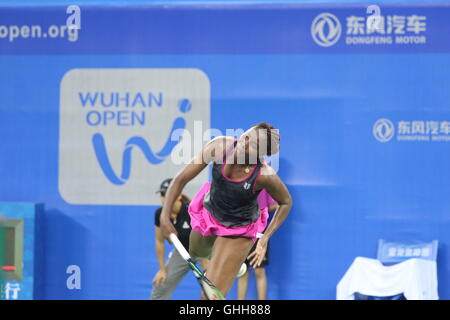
182, 224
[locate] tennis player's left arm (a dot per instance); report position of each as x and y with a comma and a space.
279, 192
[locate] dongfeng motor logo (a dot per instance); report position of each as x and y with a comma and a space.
383, 130
326, 29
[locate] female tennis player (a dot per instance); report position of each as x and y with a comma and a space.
225, 216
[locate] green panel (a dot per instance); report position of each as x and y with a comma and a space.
18, 250
11, 244
18, 221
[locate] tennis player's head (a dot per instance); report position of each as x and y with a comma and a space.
260, 140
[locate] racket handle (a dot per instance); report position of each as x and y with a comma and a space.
176, 242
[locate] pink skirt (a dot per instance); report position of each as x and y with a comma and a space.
204, 223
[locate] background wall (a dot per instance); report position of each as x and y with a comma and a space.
262, 64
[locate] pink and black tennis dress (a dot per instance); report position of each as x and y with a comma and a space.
226, 207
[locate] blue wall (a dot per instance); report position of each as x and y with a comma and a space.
43, 3
349, 189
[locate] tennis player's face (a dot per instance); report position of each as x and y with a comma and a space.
247, 146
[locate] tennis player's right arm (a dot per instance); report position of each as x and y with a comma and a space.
189, 172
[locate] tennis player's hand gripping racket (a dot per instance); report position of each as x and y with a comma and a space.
210, 290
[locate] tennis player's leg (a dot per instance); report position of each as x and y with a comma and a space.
176, 269
228, 255
243, 281
200, 246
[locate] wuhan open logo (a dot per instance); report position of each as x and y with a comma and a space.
119, 127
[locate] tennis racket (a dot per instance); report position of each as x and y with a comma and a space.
210, 290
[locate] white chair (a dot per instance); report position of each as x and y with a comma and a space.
402, 270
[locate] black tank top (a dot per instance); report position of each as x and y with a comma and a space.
233, 202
